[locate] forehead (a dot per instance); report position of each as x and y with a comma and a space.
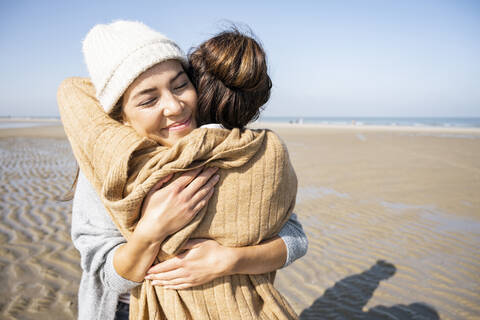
161, 73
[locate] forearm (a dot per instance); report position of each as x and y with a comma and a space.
135, 257
204, 260
267, 256
273, 254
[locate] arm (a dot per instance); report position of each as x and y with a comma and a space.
206, 260
106, 255
278, 252
97, 239
164, 211
295, 239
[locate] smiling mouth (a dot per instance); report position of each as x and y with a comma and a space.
179, 125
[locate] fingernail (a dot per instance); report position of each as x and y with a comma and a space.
148, 277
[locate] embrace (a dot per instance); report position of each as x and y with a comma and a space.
179, 211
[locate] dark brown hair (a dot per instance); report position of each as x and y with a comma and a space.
117, 111
229, 72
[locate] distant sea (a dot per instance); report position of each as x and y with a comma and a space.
5, 125
27, 122
380, 121
6, 122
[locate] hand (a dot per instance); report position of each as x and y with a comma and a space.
166, 210
203, 261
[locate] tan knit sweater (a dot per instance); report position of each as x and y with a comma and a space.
253, 199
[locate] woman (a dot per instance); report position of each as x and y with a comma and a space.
180, 122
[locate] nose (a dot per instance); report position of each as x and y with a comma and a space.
171, 105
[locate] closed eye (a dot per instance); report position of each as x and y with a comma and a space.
183, 85
148, 102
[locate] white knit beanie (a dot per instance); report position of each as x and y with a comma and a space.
117, 53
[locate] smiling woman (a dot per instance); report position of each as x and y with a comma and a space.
157, 110
160, 104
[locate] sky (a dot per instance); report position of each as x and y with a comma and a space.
366, 58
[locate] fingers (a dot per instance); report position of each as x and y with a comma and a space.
205, 191
177, 279
160, 183
185, 179
174, 284
203, 202
172, 277
156, 187
201, 180
170, 274
167, 265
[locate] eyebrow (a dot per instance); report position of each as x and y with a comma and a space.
145, 91
148, 90
178, 75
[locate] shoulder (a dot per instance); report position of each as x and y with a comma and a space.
87, 204
273, 140
268, 133
84, 190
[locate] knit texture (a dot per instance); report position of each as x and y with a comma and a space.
253, 199
117, 53
97, 238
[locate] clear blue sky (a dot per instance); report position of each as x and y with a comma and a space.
326, 58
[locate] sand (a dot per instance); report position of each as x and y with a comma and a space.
392, 216
39, 265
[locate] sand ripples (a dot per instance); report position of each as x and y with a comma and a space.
373, 258
382, 263
392, 219
37, 259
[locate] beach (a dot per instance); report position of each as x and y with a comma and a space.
392, 215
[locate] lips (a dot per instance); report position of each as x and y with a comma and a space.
180, 125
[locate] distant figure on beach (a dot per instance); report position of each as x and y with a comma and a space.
142, 82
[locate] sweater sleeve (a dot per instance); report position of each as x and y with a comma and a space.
96, 238
295, 239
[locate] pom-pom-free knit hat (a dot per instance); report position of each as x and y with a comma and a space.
117, 53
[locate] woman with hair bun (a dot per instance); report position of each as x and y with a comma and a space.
230, 74
123, 220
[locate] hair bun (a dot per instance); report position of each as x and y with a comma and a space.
237, 60
230, 73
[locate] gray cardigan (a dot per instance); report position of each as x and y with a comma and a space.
96, 238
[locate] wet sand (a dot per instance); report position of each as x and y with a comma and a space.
39, 265
392, 216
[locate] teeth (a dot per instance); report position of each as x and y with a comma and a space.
178, 124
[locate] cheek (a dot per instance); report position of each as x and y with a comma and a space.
143, 121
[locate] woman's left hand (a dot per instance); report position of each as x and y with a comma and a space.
203, 261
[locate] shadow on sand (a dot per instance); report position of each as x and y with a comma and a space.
346, 299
